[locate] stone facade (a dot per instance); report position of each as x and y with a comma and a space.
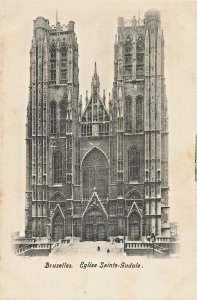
101, 170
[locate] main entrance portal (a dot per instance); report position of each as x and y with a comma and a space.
94, 226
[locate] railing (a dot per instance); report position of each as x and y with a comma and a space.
137, 245
41, 246
165, 239
65, 241
23, 240
22, 249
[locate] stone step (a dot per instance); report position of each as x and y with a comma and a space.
88, 247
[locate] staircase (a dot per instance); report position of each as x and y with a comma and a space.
89, 248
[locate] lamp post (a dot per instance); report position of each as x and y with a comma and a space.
50, 243
72, 229
153, 242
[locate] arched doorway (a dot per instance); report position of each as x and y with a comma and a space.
101, 234
94, 225
134, 226
58, 228
95, 174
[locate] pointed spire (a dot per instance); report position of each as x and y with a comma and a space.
95, 70
146, 34
116, 40
80, 105
104, 96
95, 85
86, 97
56, 17
139, 20
159, 32
146, 40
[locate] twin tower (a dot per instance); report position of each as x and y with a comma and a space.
97, 170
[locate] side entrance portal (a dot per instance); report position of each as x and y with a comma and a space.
58, 228
134, 227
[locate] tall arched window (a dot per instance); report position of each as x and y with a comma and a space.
57, 167
128, 58
140, 58
139, 114
62, 118
64, 51
63, 64
134, 164
128, 47
53, 63
53, 52
95, 173
128, 113
53, 125
133, 194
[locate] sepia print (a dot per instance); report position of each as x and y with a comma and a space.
99, 171
99, 162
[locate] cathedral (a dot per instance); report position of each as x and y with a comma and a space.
97, 169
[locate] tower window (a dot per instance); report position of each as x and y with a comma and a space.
53, 75
53, 118
57, 167
53, 65
128, 113
139, 114
64, 75
100, 113
140, 45
134, 164
53, 52
64, 51
63, 63
140, 58
128, 59
128, 70
62, 118
128, 48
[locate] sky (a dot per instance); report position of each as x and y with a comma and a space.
96, 26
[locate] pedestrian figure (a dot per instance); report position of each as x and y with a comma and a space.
98, 248
108, 250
